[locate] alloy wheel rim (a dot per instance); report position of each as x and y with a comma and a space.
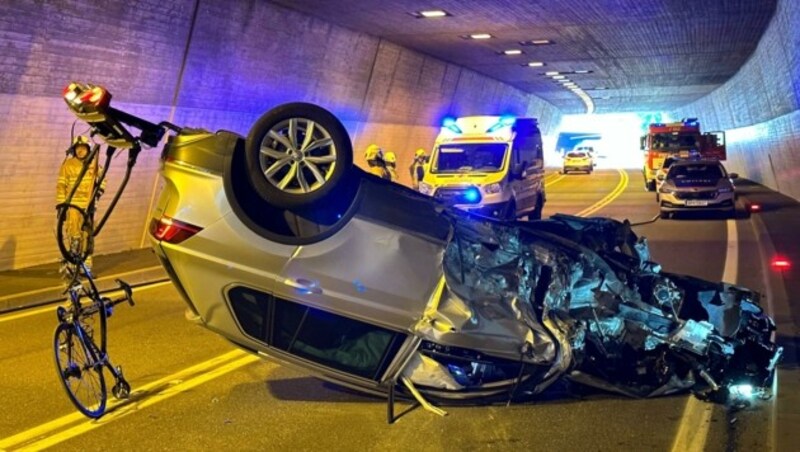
297, 156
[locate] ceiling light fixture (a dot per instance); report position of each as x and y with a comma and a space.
583, 71
478, 36
559, 77
512, 52
536, 42
430, 14
551, 73
535, 64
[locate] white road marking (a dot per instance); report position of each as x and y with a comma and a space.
102, 278
696, 419
51, 309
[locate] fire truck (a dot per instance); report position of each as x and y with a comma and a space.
681, 140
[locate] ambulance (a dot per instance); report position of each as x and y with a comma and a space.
488, 165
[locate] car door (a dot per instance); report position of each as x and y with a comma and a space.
381, 267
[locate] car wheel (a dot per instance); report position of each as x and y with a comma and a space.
297, 154
511, 211
665, 215
536, 214
650, 186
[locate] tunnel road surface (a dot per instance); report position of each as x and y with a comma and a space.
194, 391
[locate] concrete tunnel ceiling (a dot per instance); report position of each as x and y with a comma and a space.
647, 55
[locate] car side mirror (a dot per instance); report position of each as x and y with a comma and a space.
733, 175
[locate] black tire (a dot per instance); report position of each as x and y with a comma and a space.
665, 215
303, 169
85, 384
536, 213
73, 220
650, 186
511, 211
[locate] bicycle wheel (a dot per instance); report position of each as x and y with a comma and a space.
74, 233
78, 370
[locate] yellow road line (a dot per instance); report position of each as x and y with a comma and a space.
553, 181
51, 309
142, 397
609, 198
46, 289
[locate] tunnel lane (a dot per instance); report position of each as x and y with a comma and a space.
265, 406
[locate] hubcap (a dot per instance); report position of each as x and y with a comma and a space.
297, 156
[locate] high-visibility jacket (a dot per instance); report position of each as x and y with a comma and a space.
68, 177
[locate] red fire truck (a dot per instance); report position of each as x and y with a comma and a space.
678, 139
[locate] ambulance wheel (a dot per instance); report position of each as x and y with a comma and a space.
536, 214
511, 211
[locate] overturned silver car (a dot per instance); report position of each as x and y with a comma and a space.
280, 244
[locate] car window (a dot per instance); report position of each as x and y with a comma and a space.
576, 155
327, 339
698, 171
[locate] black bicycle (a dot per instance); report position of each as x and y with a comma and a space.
80, 338
80, 346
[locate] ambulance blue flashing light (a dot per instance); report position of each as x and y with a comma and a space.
504, 121
472, 195
450, 124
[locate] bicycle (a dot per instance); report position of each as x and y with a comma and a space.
80, 346
80, 339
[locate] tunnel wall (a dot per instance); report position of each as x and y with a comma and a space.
759, 108
215, 64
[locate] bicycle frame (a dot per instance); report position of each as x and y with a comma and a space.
95, 357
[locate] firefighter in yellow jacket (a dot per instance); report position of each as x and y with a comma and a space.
375, 161
76, 230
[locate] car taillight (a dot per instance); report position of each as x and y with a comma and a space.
172, 231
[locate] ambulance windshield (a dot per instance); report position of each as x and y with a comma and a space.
470, 157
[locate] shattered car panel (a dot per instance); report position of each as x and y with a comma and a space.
580, 297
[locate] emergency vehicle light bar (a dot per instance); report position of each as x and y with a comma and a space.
505, 121
450, 124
